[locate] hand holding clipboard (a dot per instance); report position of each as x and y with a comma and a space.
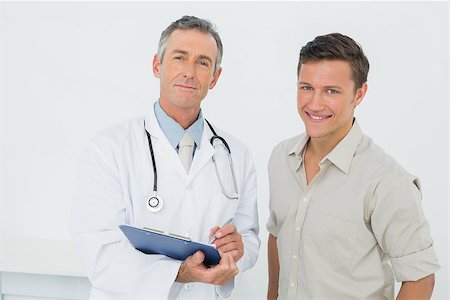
201, 262
151, 241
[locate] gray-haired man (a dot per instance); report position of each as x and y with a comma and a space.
173, 144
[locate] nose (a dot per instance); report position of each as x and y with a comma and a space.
316, 102
189, 70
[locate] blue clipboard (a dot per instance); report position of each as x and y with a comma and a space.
150, 241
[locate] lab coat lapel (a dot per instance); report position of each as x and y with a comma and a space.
162, 146
203, 154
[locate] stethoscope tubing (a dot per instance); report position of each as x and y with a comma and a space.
230, 160
155, 203
155, 174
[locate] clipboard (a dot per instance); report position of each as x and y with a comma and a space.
151, 241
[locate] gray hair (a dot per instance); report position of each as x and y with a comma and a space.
191, 22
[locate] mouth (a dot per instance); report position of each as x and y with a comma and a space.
186, 86
317, 118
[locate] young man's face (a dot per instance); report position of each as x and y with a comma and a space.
187, 70
326, 99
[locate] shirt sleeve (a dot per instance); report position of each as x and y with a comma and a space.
401, 228
111, 263
271, 225
273, 173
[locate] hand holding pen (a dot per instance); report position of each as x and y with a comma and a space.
227, 239
215, 229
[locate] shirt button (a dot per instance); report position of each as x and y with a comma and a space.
189, 187
305, 199
292, 284
188, 286
297, 228
294, 256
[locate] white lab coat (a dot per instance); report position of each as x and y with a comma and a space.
116, 179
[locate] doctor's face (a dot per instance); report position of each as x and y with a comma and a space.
326, 99
187, 70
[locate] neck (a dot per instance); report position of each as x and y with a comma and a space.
183, 116
320, 147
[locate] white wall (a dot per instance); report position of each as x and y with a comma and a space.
70, 69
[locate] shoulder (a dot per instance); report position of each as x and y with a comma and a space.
236, 145
111, 138
285, 147
386, 169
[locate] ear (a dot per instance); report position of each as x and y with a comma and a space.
216, 76
360, 93
156, 66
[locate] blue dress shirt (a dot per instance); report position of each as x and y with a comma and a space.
174, 132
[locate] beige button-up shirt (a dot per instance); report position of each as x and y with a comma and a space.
356, 225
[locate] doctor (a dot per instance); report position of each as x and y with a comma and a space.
138, 173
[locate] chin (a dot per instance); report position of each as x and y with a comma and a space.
315, 132
183, 103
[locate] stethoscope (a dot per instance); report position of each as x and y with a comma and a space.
155, 203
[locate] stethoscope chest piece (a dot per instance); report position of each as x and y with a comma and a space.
154, 203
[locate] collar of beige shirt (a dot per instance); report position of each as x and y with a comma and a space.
341, 156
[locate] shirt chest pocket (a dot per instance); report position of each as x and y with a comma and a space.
333, 239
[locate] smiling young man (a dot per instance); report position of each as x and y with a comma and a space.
345, 218
169, 147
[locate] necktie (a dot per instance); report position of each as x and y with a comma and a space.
185, 148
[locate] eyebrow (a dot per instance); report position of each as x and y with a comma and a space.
336, 87
180, 52
184, 52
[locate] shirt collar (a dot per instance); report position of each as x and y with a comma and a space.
341, 156
173, 131
299, 147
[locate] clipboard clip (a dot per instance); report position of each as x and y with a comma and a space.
174, 235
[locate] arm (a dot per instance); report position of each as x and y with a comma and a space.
417, 290
112, 264
240, 239
274, 268
402, 231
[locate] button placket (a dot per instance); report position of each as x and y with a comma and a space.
300, 218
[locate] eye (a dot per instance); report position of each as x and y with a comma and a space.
306, 87
331, 91
178, 57
203, 63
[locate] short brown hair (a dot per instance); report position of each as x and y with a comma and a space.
336, 46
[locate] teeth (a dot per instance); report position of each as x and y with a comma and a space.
317, 117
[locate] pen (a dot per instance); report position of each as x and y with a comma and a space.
213, 238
